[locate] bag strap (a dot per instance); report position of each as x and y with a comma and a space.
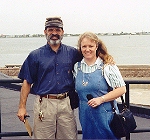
123, 104
79, 66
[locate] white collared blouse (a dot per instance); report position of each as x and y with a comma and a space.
110, 72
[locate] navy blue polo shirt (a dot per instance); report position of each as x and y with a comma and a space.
48, 71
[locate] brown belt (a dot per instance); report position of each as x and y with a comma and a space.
59, 96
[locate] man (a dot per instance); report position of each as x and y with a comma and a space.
47, 73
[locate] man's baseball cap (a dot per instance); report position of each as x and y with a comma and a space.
54, 22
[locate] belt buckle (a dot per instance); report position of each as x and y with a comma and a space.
60, 96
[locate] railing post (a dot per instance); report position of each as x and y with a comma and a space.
127, 102
127, 95
0, 117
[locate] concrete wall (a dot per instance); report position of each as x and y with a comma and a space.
13, 72
135, 70
126, 70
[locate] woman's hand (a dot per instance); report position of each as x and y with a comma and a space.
95, 102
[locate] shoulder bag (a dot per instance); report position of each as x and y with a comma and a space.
123, 123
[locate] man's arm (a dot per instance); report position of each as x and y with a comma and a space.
25, 90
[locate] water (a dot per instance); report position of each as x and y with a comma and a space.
126, 49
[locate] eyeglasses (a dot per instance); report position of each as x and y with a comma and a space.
57, 30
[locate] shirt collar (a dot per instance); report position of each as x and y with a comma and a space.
48, 46
97, 62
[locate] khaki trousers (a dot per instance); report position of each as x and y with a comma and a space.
58, 119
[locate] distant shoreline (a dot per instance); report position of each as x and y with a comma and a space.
68, 35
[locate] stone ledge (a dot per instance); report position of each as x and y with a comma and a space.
10, 71
126, 70
134, 70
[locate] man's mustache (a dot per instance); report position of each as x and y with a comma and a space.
55, 35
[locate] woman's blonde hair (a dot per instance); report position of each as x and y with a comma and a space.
101, 50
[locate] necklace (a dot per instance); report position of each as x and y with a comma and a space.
83, 82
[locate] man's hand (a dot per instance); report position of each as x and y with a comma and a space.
21, 113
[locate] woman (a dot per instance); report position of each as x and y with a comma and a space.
93, 77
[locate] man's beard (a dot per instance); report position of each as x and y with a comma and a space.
54, 42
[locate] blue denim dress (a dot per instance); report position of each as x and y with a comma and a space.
94, 121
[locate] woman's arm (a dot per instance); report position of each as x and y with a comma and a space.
114, 80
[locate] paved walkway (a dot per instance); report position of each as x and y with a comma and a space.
10, 122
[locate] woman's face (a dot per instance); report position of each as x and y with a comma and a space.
88, 48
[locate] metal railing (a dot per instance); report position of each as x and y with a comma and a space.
128, 82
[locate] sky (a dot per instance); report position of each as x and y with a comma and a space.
99, 16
